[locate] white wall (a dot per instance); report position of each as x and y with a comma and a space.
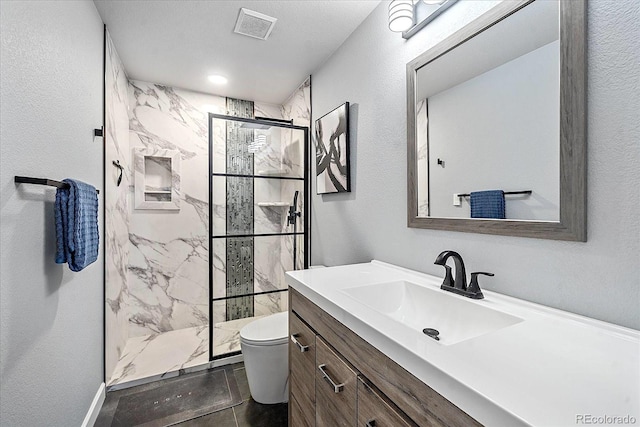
51, 319
499, 131
600, 278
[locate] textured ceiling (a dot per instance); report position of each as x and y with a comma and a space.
180, 43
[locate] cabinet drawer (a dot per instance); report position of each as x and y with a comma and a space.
375, 411
297, 415
302, 367
335, 389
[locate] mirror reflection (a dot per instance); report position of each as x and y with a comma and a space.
488, 123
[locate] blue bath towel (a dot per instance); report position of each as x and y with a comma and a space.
77, 236
487, 204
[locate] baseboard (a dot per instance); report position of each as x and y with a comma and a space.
96, 405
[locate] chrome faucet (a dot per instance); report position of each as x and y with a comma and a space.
459, 284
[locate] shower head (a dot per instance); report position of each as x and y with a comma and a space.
249, 125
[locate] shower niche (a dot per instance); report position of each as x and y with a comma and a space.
258, 223
156, 178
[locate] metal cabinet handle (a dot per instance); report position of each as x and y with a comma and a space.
337, 388
370, 423
302, 348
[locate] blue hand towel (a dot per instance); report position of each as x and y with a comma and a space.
77, 236
487, 204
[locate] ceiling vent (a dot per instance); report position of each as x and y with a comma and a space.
254, 24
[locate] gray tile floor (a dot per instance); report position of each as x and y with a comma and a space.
247, 414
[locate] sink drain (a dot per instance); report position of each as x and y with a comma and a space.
433, 333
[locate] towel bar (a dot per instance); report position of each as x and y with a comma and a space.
527, 192
42, 181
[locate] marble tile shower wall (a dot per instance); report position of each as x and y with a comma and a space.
116, 208
298, 109
298, 106
169, 259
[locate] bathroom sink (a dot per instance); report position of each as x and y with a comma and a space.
418, 307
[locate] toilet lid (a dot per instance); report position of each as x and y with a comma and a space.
272, 329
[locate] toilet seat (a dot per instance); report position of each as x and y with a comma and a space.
268, 331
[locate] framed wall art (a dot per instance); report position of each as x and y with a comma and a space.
332, 151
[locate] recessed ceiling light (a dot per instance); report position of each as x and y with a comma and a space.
217, 79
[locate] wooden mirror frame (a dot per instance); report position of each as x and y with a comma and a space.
573, 134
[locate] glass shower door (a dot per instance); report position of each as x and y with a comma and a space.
257, 215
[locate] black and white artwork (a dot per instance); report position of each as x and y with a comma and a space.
332, 151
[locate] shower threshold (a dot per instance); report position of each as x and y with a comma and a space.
164, 355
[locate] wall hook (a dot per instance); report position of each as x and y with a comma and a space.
98, 132
441, 162
117, 164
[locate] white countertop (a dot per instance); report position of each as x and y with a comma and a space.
544, 371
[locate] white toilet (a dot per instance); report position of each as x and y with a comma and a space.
265, 345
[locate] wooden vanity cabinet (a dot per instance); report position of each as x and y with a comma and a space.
336, 387
302, 366
373, 388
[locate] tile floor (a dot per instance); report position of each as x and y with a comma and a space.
247, 414
157, 355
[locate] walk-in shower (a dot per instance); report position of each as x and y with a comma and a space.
185, 275
259, 178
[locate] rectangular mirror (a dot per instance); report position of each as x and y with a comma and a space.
496, 125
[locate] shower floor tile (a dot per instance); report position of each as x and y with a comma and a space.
164, 355
226, 335
160, 354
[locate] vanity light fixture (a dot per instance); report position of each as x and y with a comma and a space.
400, 15
217, 79
410, 16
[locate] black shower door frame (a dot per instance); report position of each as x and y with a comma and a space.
305, 211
